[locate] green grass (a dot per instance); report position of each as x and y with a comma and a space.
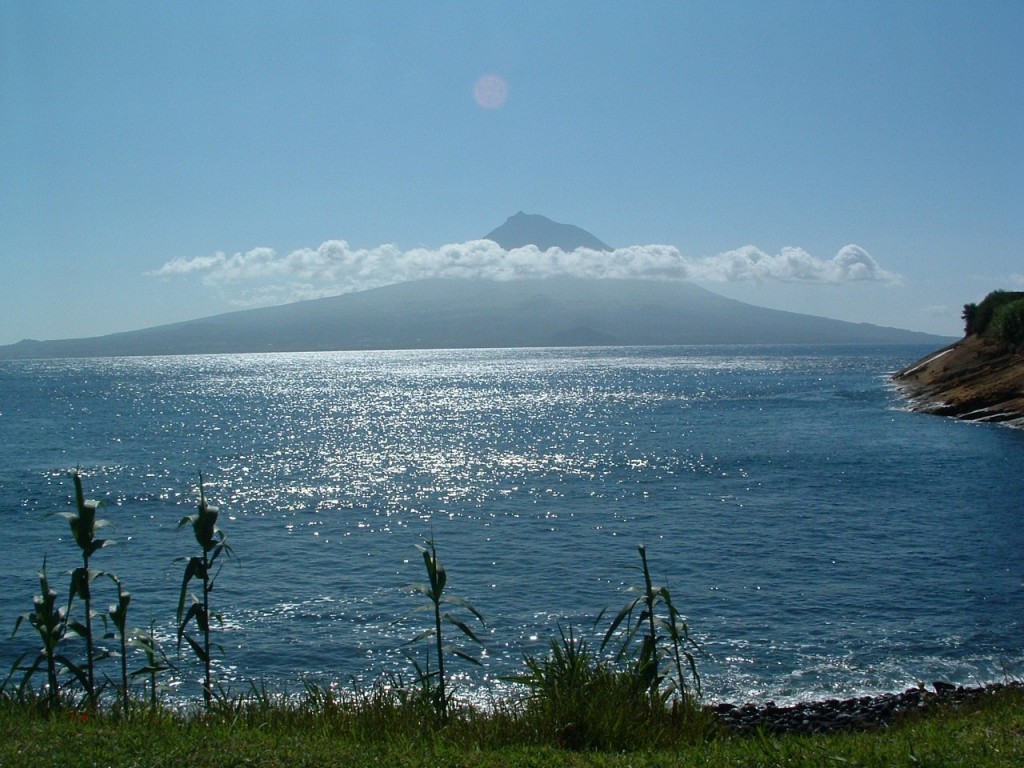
376, 729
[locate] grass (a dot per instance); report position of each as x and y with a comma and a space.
323, 728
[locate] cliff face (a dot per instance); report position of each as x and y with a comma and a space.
975, 379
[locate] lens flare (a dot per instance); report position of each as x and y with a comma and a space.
490, 91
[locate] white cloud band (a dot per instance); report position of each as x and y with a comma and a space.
334, 267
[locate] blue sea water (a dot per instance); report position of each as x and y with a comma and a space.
821, 540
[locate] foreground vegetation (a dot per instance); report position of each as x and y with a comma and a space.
630, 696
1000, 316
320, 729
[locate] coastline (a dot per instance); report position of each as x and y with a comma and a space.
974, 379
860, 713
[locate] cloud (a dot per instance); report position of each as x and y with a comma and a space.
260, 276
749, 263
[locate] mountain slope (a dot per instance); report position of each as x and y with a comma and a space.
452, 313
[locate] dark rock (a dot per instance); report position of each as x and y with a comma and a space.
855, 714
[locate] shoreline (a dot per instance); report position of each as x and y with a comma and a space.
974, 379
860, 713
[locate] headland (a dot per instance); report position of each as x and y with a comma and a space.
979, 378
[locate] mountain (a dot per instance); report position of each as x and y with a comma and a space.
458, 313
534, 229
455, 313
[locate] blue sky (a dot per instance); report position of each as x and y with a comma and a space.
165, 161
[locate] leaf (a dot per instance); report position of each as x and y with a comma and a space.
29, 671
197, 648
74, 669
422, 635
78, 628
462, 626
79, 584
466, 656
142, 643
195, 610
98, 544
622, 615
194, 568
422, 589
14, 668
453, 600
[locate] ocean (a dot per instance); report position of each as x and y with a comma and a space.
821, 540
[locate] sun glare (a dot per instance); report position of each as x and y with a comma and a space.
490, 91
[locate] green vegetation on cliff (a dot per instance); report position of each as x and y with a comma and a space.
980, 377
1000, 315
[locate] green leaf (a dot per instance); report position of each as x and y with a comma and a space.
74, 669
79, 584
195, 610
465, 629
461, 601
197, 649
422, 589
193, 569
466, 656
422, 635
78, 628
619, 618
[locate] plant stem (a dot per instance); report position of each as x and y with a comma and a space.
207, 685
442, 703
89, 652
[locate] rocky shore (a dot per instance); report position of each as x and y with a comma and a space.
975, 379
857, 714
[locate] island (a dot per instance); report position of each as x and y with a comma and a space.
559, 310
981, 376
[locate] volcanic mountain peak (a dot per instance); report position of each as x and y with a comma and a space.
533, 229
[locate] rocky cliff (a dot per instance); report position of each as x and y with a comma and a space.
976, 379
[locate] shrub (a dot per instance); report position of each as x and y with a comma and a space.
1008, 322
969, 316
979, 319
580, 701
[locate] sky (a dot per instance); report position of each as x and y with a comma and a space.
164, 161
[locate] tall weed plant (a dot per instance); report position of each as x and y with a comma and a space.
49, 619
84, 527
435, 684
652, 636
212, 544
